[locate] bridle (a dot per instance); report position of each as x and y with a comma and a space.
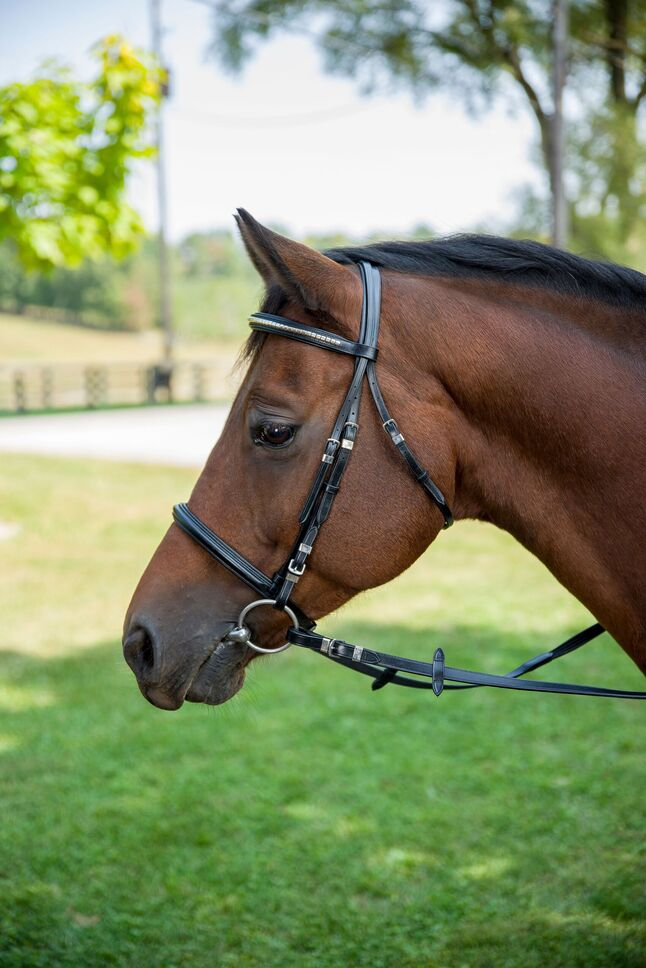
277, 590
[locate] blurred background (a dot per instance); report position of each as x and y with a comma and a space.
308, 822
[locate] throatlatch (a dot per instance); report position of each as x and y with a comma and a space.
277, 590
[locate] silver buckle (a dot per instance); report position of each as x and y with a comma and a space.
327, 646
329, 458
296, 569
395, 434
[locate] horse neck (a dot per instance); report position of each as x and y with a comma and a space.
548, 425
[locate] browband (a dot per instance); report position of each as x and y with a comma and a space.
266, 323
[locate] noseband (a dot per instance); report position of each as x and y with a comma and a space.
277, 590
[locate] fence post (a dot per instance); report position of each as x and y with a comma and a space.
20, 391
198, 382
147, 385
46, 378
95, 386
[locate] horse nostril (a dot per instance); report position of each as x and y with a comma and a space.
139, 651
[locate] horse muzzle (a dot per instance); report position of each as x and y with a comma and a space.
207, 668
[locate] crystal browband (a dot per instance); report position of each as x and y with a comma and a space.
256, 319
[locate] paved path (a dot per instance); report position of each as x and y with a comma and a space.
181, 435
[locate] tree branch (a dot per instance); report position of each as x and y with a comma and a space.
509, 55
512, 58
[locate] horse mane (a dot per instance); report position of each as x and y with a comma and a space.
518, 261
486, 256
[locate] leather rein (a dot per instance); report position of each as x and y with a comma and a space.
277, 590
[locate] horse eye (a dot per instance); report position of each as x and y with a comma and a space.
270, 434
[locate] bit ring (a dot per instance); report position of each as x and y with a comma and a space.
241, 626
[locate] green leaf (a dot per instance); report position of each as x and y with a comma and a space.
72, 145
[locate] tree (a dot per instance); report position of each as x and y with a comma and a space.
484, 49
66, 150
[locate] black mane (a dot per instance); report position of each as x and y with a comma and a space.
527, 262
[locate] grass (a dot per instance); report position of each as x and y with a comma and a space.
309, 823
25, 340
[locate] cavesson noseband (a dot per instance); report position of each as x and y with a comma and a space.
277, 590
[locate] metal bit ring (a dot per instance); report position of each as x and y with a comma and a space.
237, 634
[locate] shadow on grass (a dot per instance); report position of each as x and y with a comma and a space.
313, 823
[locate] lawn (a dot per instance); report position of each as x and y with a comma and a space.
26, 340
310, 823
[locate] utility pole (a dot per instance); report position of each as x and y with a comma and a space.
559, 70
165, 307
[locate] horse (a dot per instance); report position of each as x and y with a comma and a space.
519, 373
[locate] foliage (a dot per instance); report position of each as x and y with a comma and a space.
310, 823
89, 292
214, 283
66, 150
480, 50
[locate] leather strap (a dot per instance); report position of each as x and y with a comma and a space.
236, 563
336, 455
266, 323
385, 668
221, 551
417, 470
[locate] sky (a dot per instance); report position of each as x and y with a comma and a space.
290, 143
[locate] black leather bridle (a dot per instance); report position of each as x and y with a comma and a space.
277, 590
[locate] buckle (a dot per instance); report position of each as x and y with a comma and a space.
295, 569
329, 458
328, 648
390, 426
348, 438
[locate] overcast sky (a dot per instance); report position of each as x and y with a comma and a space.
285, 140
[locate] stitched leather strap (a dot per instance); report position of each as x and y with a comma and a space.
221, 551
266, 323
385, 668
417, 470
236, 563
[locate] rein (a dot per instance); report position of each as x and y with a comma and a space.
277, 590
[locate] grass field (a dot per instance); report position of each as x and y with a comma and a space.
309, 823
28, 340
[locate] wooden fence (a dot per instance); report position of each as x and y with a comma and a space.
25, 388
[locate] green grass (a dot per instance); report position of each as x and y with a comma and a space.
309, 823
27, 340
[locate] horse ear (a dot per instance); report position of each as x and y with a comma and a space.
319, 283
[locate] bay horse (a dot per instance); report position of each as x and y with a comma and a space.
519, 372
